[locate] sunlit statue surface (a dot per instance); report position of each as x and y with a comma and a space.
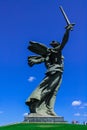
42, 100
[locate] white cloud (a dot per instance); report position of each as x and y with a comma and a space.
31, 78
77, 114
76, 103
25, 114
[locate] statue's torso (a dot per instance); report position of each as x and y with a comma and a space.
54, 61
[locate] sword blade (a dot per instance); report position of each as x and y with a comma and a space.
65, 16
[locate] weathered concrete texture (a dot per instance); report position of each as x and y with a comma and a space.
37, 118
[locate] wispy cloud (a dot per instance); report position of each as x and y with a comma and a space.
76, 103
82, 107
82, 115
77, 114
31, 78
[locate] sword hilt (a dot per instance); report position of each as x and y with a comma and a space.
70, 26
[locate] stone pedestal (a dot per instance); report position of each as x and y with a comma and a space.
38, 118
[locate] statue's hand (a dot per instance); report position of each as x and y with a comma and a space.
70, 27
31, 61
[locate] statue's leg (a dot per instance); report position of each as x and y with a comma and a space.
54, 87
48, 96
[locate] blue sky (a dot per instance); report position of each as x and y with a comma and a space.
42, 21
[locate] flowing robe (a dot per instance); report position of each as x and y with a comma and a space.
45, 93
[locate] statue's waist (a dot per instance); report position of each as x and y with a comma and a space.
55, 68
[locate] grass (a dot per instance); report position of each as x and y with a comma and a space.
43, 126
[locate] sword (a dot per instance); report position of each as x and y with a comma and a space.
69, 25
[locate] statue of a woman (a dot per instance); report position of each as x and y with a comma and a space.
42, 100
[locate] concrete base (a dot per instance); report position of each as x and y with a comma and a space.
33, 117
